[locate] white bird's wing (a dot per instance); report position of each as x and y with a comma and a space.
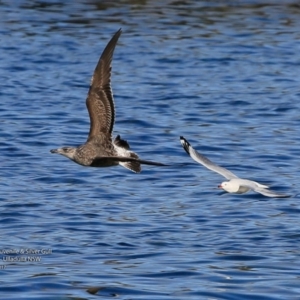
261, 189
199, 158
270, 193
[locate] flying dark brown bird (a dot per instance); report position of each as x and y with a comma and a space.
100, 150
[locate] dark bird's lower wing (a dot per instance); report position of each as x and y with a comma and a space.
128, 162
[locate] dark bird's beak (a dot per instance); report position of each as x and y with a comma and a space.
54, 151
219, 186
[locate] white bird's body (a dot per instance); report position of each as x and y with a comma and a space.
234, 184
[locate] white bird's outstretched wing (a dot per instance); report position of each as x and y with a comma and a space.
199, 158
261, 189
270, 193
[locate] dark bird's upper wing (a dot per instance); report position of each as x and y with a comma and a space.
201, 159
100, 102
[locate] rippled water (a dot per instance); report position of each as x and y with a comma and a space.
224, 76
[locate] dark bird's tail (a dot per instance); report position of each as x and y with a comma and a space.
134, 164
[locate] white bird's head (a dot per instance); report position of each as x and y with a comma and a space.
229, 186
68, 152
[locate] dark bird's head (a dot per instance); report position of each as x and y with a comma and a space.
65, 151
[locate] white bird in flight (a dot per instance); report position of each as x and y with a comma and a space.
234, 184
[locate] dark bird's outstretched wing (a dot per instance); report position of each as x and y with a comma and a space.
130, 163
100, 102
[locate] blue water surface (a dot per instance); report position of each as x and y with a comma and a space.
225, 75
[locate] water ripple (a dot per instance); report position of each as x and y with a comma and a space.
225, 76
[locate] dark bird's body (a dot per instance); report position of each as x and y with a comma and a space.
100, 150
